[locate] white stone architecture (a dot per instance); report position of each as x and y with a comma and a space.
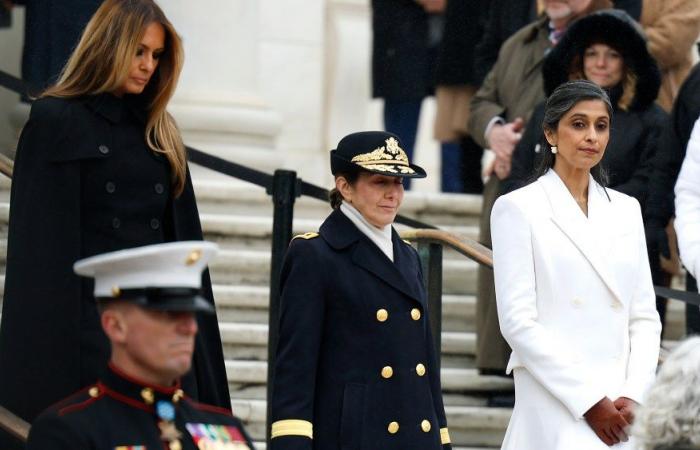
267, 83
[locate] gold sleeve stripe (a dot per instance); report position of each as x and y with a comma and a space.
292, 427
444, 436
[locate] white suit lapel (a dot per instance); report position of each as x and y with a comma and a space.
587, 234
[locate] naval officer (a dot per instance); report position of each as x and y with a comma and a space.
356, 365
147, 298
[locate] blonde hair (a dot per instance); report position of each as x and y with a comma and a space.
628, 82
101, 61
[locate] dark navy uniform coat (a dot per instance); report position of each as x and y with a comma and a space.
85, 183
119, 413
356, 364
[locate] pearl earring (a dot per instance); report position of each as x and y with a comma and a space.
554, 149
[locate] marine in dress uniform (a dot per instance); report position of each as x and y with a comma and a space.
356, 366
123, 411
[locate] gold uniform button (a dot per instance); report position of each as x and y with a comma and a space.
94, 392
387, 372
393, 427
415, 314
420, 370
382, 315
425, 426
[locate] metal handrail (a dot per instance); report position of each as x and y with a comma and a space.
15, 426
467, 247
7, 165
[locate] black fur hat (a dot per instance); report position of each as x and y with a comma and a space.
617, 29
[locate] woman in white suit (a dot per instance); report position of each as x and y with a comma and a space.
573, 287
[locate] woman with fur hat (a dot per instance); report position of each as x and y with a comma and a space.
608, 48
356, 366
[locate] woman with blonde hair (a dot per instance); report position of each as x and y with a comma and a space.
100, 166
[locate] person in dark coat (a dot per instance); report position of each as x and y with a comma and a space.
100, 167
52, 28
633, 84
406, 34
659, 208
147, 298
508, 16
356, 366
456, 84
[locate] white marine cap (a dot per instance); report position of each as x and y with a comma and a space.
161, 276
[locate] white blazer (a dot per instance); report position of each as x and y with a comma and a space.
577, 306
687, 221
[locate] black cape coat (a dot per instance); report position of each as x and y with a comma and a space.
356, 360
85, 183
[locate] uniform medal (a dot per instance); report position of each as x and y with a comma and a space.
168, 432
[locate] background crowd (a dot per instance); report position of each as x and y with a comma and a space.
492, 68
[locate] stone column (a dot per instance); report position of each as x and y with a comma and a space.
218, 104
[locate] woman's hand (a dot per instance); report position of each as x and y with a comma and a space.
607, 422
626, 407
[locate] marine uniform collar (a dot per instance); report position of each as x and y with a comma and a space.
137, 393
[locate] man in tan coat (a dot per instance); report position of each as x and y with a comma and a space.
672, 27
499, 110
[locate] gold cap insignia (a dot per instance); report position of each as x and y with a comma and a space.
389, 158
193, 257
116, 292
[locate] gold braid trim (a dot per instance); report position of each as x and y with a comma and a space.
444, 436
292, 427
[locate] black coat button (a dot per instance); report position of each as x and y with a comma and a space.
159, 188
155, 224
110, 187
116, 223
103, 149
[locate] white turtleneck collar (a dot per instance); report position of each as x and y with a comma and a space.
380, 236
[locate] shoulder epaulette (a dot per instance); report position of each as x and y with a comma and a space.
309, 235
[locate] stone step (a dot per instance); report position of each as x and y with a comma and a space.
250, 230
252, 267
228, 197
249, 341
470, 426
256, 230
233, 196
249, 304
246, 373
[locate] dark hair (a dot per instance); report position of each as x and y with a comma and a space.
334, 196
562, 100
